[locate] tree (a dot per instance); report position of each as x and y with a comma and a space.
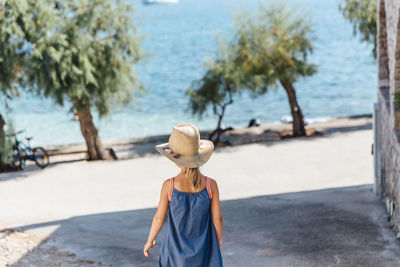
6, 146
81, 53
11, 75
269, 47
362, 13
273, 45
216, 88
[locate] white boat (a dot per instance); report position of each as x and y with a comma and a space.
151, 2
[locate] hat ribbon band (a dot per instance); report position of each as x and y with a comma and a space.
199, 159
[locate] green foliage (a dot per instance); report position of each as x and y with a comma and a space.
269, 46
397, 101
82, 52
11, 53
362, 14
6, 143
273, 45
221, 80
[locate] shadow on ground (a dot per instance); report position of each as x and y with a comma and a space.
335, 227
146, 147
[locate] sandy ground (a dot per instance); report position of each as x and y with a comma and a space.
50, 204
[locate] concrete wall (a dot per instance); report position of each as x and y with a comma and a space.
387, 127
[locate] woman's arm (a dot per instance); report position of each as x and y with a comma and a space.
216, 210
158, 219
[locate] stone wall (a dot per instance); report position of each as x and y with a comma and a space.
387, 127
390, 156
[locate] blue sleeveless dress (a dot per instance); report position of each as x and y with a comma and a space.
189, 238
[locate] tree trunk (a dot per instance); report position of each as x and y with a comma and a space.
90, 133
2, 123
219, 131
297, 115
216, 134
2, 142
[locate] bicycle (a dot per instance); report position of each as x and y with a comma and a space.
23, 152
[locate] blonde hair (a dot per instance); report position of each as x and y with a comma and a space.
194, 176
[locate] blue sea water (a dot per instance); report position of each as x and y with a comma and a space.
180, 38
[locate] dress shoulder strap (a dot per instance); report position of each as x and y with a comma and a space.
171, 188
208, 186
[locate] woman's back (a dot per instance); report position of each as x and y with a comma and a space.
189, 238
182, 184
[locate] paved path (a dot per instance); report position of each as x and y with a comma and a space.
335, 227
98, 213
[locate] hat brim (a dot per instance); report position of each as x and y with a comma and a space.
189, 161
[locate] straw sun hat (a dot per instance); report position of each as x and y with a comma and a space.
185, 147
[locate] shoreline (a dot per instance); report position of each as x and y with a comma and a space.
123, 148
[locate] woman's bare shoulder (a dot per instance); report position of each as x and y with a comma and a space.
213, 183
166, 185
167, 181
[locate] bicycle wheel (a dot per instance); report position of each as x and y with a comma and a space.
41, 157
